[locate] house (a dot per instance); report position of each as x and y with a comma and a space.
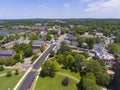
98, 47
107, 40
70, 37
75, 43
7, 54
72, 43
36, 45
8, 45
68, 42
107, 57
71, 26
86, 35
26, 41
20, 40
59, 31
43, 33
99, 34
112, 38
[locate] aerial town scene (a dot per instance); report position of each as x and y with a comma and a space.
59, 45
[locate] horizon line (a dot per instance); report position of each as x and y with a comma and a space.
52, 18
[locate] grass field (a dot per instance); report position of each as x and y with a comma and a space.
6, 70
9, 82
48, 83
77, 75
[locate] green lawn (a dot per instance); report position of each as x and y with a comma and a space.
77, 75
6, 70
9, 82
48, 83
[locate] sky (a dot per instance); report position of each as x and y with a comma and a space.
19, 9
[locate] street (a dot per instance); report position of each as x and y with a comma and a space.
31, 76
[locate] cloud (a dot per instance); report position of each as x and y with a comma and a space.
108, 5
109, 8
66, 5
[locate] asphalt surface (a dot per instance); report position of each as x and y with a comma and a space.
31, 76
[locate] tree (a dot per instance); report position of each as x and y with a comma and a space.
91, 76
1, 37
68, 62
81, 40
48, 36
103, 79
106, 32
33, 37
8, 74
88, 82
63, 31
26, 49
66, 53
118, 59
85, 54
9, 62
16, 47
90, 42
49, 68
17, 36
97, 40
10, 38
42, 48
60, 58
79, 62
102, 64
114, 48
93, 66
17, 57
52, 54
64, 48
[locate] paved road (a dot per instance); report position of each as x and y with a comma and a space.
31, 76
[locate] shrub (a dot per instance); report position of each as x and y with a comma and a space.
65, 81
16, 72
1, 68
8, 74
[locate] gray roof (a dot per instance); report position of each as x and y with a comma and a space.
99, 34
87, 36
75, 43
20, 39
7, 52
38, 43
7, 44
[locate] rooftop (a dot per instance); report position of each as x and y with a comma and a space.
7, 52
7, 44
38, 43
105, 56
99, 34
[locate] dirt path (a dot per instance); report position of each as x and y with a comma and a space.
4, 74
67, 75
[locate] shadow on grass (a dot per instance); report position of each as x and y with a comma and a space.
79, 87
